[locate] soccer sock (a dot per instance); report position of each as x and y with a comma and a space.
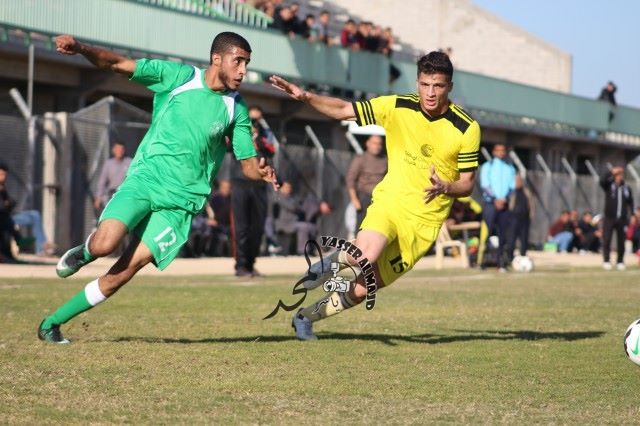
84, 300
85, 250
329, 305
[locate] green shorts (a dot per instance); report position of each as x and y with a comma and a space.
164, 231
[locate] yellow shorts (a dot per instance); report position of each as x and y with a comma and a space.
408, 240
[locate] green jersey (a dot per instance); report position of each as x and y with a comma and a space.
185, 145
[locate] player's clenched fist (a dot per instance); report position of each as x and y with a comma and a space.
67, 44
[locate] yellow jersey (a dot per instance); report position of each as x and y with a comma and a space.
414, 142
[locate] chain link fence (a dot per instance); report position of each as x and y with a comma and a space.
83, 139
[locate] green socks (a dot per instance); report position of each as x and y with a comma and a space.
84, 300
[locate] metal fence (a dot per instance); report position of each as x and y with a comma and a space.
80, 143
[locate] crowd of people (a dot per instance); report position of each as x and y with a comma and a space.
364, 35
508, 210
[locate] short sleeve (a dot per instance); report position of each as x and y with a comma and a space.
470, 149
374, 111
241, 138
161, 76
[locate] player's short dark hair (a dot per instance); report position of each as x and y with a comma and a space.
226, 41
3, 166
435, 63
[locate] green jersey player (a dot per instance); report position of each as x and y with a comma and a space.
169, 180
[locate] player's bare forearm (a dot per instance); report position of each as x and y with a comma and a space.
101, 58
256, 169
331, 107
460, 188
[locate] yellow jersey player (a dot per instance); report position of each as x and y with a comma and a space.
433, 146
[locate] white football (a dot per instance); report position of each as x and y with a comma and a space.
632, 341
522, 264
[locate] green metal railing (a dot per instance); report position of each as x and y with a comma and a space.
230, 10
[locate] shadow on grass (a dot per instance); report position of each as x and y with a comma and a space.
391, 339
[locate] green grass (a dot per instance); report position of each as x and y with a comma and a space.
447, 347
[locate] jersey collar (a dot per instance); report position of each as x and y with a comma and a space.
445, 114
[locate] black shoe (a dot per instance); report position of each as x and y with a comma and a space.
51, 335
256, 274
243, 273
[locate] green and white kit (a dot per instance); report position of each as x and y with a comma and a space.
170, 176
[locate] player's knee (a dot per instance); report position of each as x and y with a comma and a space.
358, 293
101, 245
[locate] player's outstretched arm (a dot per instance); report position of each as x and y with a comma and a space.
331, 107
101, 58
259, 170
460, 188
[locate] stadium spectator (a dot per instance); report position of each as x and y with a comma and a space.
521, 207
589, 235
289, 219
349, 35
618, 207
170, 177
285, 21
574, 219
607, 94
633, 231
385, 46
220, 215
323, 28
113, 172
297, 23
464, 209
211, 229
365, 172
497, 180
249, 203
561, 232
7, 227
309, 29
413, 201
25, 218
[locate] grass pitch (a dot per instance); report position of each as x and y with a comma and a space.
472, 347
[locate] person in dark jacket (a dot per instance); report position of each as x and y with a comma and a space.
618, 207
521, 207
249, 203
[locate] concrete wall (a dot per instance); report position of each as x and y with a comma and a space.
481, 42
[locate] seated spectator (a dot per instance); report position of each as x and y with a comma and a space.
464, 209
220, 219
633, 231
561, 232
575, 230
26, 218
211, 228
7, 227
588, 239
294, 216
